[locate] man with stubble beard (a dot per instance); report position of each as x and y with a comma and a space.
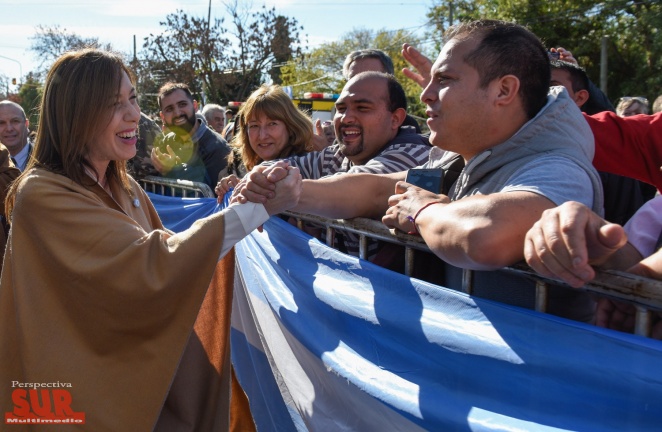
191, 150
494, 127
371, 137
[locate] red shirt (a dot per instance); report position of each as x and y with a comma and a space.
628, 146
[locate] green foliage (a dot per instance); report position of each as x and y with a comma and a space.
634, 45
30, 98
320, 70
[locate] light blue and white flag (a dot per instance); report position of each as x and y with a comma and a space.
323, 341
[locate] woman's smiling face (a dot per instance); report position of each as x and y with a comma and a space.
267, 137
117, 141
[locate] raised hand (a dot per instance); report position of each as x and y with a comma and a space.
224, 185
164, 162
421, 63
319, 141
565, 55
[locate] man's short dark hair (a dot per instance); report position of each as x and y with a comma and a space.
396, 94
578, 76
508, 49
170, 87
380, 55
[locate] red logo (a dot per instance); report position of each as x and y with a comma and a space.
43, 406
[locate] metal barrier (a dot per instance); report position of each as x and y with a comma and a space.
645, 294
186, 188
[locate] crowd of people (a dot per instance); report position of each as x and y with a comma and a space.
525, 175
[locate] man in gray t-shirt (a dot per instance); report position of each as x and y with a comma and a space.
516, 148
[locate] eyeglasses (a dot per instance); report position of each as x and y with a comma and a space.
639, 99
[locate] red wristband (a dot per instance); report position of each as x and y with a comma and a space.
413, 219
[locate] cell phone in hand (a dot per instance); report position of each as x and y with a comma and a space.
426, 178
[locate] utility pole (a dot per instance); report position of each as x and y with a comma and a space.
450, 13
209, 17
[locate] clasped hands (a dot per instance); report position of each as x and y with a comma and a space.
277, 186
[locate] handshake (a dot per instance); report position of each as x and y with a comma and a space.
277, 186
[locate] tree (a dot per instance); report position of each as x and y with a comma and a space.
634, 48
281, 46
264, 40
49, 43
186, 47
220, 62
30, 98
320, 70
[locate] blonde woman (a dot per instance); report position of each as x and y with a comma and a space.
270, 127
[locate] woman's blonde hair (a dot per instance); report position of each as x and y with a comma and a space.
77, 102
274, 103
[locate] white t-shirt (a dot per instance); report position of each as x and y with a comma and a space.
644, 228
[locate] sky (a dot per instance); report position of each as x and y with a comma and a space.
117, 21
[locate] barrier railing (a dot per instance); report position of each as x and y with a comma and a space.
645, 294
170, 187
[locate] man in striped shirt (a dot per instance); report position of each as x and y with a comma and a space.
369, 131
371, 139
